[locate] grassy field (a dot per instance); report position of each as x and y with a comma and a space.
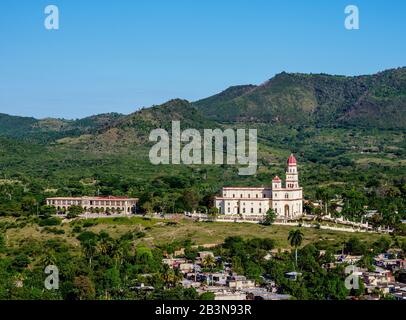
159, 232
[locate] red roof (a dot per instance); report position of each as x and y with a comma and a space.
292, 160
111, 198
276, 179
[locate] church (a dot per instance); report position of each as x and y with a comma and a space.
287, 201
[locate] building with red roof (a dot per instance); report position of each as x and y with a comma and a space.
109, 204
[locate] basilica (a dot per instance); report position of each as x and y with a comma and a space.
287, 200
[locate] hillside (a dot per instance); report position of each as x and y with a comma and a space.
315, 99
108, 154
50, 129
134, 129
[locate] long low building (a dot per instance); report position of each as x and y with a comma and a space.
95, 204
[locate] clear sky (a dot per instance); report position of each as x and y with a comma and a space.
117, 56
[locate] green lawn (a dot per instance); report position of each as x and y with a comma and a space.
163, 231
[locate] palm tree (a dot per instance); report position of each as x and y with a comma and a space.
105, 246
208, 261
49, 258
89, 250
118, 254
295, 237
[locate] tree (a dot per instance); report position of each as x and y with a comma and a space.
147, 207
208, 261
190, 200
324, 196
207, 296
74, 211
236, 265
270, 217
89, 250
84, 288
47, 211
295, 237
29, 205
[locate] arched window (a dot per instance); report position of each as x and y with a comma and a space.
286, 196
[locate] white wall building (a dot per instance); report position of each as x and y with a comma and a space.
99, 204
286, 201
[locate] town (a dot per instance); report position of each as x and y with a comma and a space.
207, 273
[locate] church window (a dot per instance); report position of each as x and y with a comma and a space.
228, 210
233, 195
243, 210
256, 195
286, 196
252, 210
249, 196
260, 210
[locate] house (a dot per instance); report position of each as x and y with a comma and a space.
174, 262
204, 254
239, 282
186, 267
263, 294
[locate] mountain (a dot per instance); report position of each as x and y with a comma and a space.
322, 119
50, 129
288, 99
134, 129
377, 100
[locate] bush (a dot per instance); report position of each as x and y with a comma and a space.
87, 236
207, 296
77, 229
51, 221
54, 230
88, 224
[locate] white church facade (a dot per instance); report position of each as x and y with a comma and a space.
287, 200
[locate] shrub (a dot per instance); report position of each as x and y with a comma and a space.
87, 236
51, 221
54, 230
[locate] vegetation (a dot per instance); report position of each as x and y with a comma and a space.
295, 237
348, 134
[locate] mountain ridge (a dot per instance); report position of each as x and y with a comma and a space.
291, 99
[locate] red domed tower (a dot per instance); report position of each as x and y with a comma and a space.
292, 179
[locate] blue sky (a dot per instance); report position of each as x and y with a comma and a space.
117, 56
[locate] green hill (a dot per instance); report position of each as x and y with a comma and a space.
315, 99
50, 129
348, 133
